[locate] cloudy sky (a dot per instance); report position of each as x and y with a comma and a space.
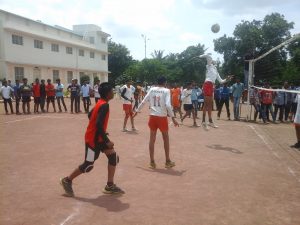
170, 25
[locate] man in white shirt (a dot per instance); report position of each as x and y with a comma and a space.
127, 92
96, 91
160, 107
187, 103
208, 89
6, 92
85, 89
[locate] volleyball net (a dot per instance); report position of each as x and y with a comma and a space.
267, 69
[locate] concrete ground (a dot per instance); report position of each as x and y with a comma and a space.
239, 174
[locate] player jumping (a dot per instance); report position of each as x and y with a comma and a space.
208, 89
160, 108
96, 141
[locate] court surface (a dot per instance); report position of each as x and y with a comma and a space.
239, 174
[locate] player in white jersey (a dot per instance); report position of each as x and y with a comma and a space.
127, 92
187, 104
160, 109
208, 89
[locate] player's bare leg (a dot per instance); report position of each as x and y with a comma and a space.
132, 122
194, 118
110, 169
169, 163
125, 122
151, 148
74, 174
297, 145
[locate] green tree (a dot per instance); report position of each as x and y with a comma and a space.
119, 59
253, 39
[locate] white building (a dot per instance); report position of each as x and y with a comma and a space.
33, 49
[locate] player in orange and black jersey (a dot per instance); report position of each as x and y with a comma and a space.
96, 141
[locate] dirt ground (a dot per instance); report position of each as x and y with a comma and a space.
239, 174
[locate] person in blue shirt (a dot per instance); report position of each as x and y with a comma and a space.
59, 92
217, 97
194, 98
279, 104
224, 93
237, 91
17, 95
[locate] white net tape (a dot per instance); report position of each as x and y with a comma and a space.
278, 90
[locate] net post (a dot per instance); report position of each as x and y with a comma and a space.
250, 83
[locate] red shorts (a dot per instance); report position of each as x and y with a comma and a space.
208, 88
128, 109
158, 122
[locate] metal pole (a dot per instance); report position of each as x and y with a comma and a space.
145, 43
250, 83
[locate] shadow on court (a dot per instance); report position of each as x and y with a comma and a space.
164, 171
110, 202
223, 148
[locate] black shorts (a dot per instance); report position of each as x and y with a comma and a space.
188, 107
50, 98
92, 154
37, 100
7, 100
26, 98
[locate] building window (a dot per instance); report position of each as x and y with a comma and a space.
103, 40
18, 40
92, 54
81, 52
54, 47
103, 57
19, 73
69, 50
69, 77
55, 75
92, 40
38, 44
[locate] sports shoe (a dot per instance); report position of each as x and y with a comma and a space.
169, 164
195, 125
134, 129
204, 125
211, 124
113, 189
125, 130
297, 145
67, 185
152, 165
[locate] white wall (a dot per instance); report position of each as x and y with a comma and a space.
27, 56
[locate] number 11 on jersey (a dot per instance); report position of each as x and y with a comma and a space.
156, 101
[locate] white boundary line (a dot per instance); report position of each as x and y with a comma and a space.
72, 215
289, 169
35, 117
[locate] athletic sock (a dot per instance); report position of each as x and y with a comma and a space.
110, 184
210, 120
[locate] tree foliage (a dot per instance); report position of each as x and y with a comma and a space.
119, 59
252, 39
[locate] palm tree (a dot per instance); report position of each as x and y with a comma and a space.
158, 54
